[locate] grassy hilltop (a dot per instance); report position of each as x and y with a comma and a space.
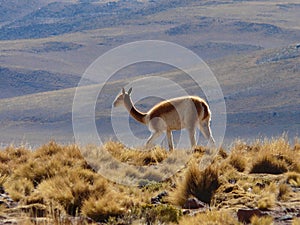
55, 185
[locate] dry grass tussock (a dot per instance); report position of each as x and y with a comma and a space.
275, 156
135, 156
210, 217
196, 183
56, 182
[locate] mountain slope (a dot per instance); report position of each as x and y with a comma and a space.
261, 99
46, 46
23, 82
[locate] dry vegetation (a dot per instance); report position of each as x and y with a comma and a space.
55, 185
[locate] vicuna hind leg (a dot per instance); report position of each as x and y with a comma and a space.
191, 132
170, 140
204, 127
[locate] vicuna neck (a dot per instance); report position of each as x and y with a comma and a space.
136, 114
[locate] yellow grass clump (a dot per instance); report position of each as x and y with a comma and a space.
210, 217
109, 204
265, 220
196, 183
160, 214
275, 156
137, 157
267, 201
238, 161
293, 178
284, 192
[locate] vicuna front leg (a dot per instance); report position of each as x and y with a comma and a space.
170, 140
152, 137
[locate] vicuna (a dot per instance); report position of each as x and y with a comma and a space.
179, 113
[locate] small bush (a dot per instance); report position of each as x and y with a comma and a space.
293, 179
209, 218
18, 188
265, 220
68, 191
284, 192
49, 149
267, 201
20, 153
101, 207
197, 183
269, 164
11, 157
238, 162
163, 214
136, 156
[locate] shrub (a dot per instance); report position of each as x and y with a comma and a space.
293, 179
284, 191
18, 188
268, 163
69, 191
197, 183
161, 214
67, 194
238, 162
11, 157
136, 156
267, 201
265, 220
101, 207
49, 149
210, 217
37, 170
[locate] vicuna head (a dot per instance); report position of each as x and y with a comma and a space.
121, 97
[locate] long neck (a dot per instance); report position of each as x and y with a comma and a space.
136, 114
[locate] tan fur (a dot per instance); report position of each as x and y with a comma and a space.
186, 112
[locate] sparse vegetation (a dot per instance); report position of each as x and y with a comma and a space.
55, 182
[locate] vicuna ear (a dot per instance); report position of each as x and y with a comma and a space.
123, 91
129, 91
